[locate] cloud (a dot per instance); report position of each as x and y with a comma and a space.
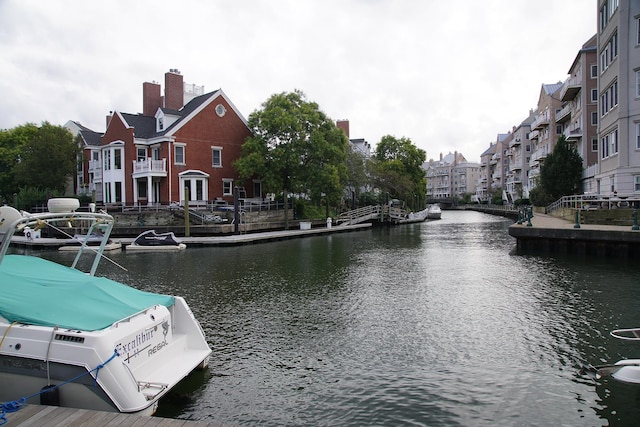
448, 75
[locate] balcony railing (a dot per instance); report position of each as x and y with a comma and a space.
564, 114
150, 166
573, 135
540, 121
571, 88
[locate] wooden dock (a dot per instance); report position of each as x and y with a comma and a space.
230, 240
38, 415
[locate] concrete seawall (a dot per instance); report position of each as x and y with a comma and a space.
549, 234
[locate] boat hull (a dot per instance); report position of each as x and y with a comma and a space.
126, 367
159, 248
629, 371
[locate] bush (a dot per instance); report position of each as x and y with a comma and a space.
539, 197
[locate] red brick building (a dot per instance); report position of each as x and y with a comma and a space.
182, 145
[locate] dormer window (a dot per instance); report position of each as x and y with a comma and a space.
160, 123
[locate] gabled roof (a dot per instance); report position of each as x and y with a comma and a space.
552, 88
90, 137
145, 126
490, 150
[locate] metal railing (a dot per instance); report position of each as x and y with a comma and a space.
591, 201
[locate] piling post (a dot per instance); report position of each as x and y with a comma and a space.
635, 220
187, 223
577, 224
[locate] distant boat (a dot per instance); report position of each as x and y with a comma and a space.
625, 370
434, 212
71, 338
95, 239
150, 241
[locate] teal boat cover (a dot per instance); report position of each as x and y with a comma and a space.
36, 291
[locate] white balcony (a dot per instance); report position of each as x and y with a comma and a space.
571, 88
149, 167
540, 121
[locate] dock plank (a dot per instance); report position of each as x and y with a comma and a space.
50, 416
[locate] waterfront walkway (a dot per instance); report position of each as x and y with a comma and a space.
38, 415
551, 234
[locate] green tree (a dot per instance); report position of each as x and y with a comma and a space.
48, 158
397, 165
12, 142
295, 147
560, 174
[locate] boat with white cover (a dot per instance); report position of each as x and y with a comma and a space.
72, 338
625, 370
434, 212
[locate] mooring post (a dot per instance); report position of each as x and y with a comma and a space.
635, 220
577, 224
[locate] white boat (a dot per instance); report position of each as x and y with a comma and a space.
626, 370
150, 241
71, 338
434, 212
95, 239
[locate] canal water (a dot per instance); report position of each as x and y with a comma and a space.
440, 323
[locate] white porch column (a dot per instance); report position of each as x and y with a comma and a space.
150, 199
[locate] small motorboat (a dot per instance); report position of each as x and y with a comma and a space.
434, 212
152, 241
93, 240
71, 338
626, 370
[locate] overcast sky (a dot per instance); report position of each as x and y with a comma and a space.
449, 75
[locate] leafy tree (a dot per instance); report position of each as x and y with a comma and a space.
560, 174
295, 147
48, 158
12, 142
398, 168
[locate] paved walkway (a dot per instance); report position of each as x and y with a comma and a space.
540, 220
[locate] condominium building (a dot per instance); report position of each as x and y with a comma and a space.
618, 40
518, 157
544, 129
578, 114
450, 177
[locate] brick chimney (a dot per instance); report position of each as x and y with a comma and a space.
173, 89
151, 98
344, 125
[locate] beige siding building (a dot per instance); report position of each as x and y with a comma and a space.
619, 98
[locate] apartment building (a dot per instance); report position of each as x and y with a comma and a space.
578, 114
544, 129
618, 40
450, 177
518, 157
